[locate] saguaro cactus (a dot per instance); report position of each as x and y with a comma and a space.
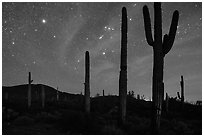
29, 89
138, 96
87, 83
123, 68
182, 92
103, 93
160, 49
167, 103
43, 96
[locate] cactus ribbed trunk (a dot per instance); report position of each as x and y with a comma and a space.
123, 68
43, 96
158, 90
87, 83
160, 49
29, 89
158, 86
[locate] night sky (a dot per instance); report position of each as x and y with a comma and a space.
50, 40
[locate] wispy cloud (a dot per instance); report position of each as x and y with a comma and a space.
103, 66
140, 65
71, 29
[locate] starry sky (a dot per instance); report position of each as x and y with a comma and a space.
50, 40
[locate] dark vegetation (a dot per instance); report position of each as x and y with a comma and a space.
67, 116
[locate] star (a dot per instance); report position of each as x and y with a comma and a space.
44, 21
100, 37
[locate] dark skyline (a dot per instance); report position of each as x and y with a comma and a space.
50, 40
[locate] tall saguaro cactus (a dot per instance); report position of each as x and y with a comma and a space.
160, 49
29, 89
87, 82
43, 96
123, 68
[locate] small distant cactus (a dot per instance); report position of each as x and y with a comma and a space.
167, 103
138, 96
103, 93
182, 92
87, 83
123, 69
43, 96
160, 49
29, 89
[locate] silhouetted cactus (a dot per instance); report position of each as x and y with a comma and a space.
167, 103
87, 84
138, 96
43, 96
182, 92
103, 93
160, 49
123, 68
29, 89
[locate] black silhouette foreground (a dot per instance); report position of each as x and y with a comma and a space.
66, 115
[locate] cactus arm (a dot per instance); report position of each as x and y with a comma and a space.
147, 24
157, 25
31, 81
169, 39
165, 46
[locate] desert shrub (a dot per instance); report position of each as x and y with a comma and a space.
23, 121
75, 121
137, 125
111, 130
45, 117
182, 128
